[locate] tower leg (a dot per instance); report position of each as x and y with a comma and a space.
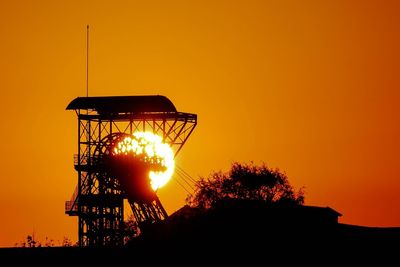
148, 213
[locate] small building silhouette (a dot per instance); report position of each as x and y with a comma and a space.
231, 221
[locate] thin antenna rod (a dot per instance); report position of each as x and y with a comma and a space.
87, 60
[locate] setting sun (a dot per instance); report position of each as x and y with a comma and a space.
151, 149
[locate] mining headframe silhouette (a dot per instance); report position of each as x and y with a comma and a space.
125, 148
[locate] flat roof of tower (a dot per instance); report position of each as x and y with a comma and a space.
124, 104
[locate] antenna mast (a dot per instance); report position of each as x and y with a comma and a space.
87, 60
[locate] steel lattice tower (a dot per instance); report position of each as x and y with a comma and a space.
98, 200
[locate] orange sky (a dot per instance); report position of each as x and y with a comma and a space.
310, 87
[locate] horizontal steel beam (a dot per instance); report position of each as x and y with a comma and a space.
140, 116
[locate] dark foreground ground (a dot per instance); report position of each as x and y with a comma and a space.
243, 233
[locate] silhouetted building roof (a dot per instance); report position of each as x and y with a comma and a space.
323, 210
124, 104
245, 209
242, 222
279, 211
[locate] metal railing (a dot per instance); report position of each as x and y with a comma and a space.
72, 204
84, 159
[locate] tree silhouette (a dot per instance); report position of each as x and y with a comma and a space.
245, 182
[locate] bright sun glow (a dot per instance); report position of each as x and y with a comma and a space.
153, 150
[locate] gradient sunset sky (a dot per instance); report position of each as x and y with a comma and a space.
309, 87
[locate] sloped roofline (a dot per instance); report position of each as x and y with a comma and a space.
123, 104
